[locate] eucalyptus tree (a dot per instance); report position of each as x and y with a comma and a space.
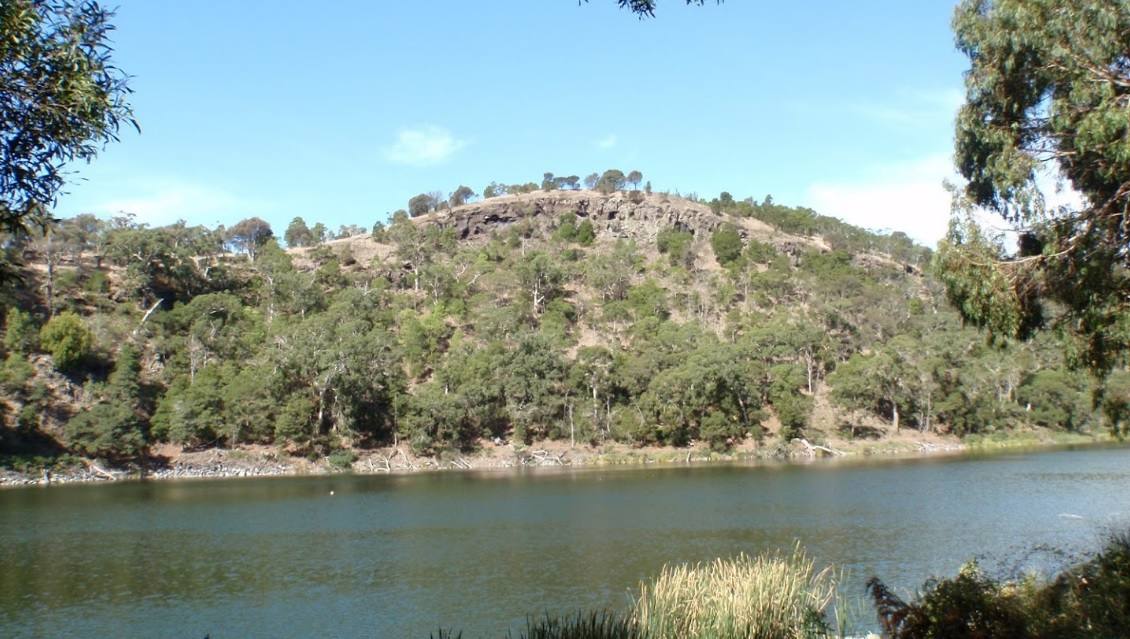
63, 99
1046, 94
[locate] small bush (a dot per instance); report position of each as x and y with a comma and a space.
727, 244
15, 373
20, 333
97, 283
585, 233
675, 244
342, 459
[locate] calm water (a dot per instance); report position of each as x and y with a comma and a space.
400, 556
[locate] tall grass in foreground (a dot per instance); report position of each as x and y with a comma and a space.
771, 596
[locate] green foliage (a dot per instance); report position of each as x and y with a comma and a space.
67, 339
611, 181
1114, 402
436, 420
1047, 84
249, 235
113, 427
298, 234
969, 605
566, 227
460, 196
676, 244
1088, 601
760, 252
648, 300
523, 336
21, 335
110, 429
585, 233
1055, 399
727, 244
646, 8
420, 205
191, 412
15, 373
63, 99
341, 460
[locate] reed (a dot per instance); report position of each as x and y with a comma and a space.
592, 625
770, 596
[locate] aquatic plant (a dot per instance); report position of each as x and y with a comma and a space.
770, 596
591, 625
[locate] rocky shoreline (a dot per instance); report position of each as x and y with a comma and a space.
242, 463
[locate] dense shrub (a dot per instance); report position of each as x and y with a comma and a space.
727, 244
67, 339
110, 429
20, 333
675, 244
1088, 601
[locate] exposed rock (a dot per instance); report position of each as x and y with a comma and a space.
614, 215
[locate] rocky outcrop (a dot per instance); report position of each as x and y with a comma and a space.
618, 215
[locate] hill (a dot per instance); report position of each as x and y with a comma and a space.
618, 319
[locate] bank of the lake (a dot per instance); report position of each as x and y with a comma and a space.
174, 463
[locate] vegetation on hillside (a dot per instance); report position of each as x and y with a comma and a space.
123, 336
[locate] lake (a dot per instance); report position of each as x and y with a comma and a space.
401, 556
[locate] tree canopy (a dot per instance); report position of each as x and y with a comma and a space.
646, 8
62, 100
1046, 94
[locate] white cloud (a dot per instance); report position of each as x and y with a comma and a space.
607, 142
913, 108
908, 198
423, 146
168, 201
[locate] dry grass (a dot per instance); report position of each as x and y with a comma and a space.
771, 596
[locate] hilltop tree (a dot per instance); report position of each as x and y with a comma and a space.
420, 205
460, 196
590, 181
634, 178
298, 234
611, 181
249, 235
494, 189
62, 100
438, 201
1046, 90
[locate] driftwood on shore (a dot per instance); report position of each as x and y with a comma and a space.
812, 449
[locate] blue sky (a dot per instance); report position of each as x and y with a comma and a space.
340, 113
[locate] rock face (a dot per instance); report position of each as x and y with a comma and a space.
619, 215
